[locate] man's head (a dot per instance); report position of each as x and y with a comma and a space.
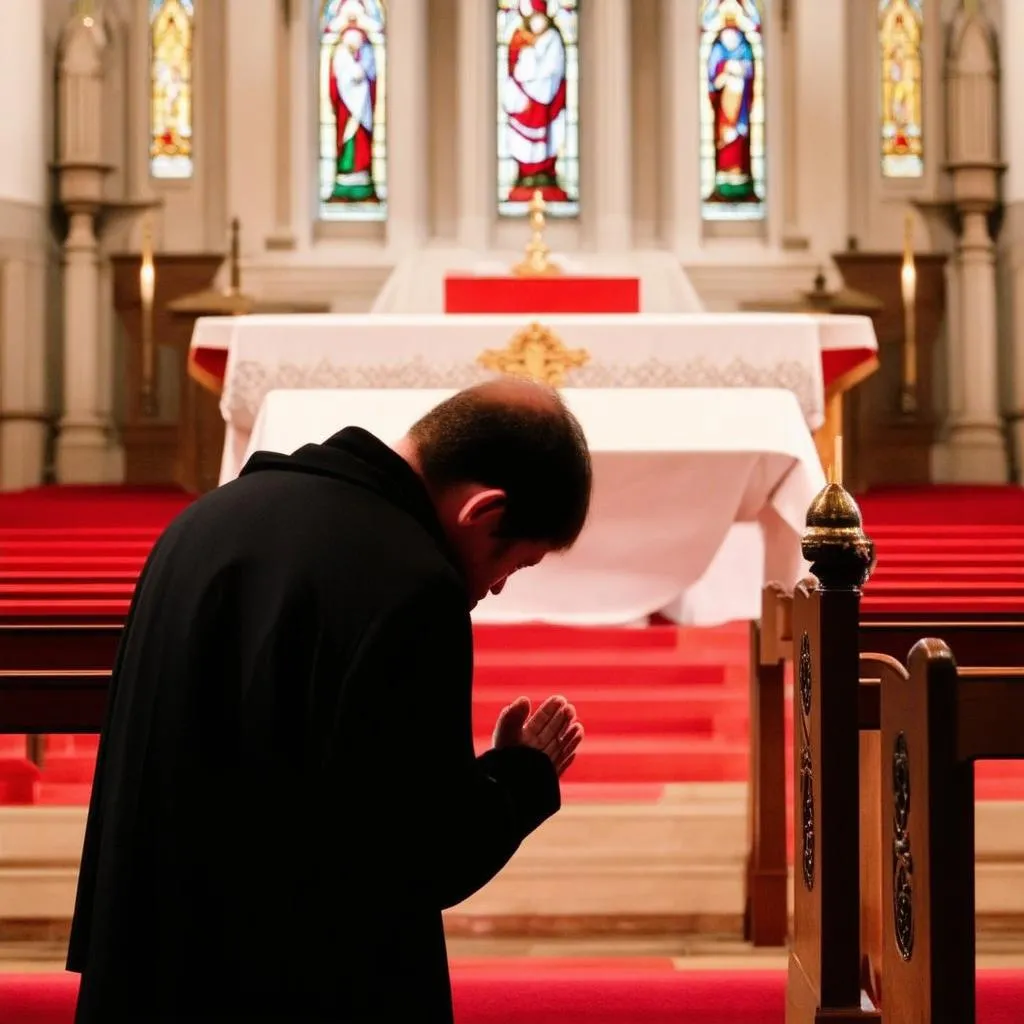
508, 469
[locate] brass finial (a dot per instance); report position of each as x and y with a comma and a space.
537, 262
841, 554
235, 269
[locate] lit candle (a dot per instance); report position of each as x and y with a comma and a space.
908, 288
908, 272
837, 461
147, 291
147, 270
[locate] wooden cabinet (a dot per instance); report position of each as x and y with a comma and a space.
886, 445
183, 440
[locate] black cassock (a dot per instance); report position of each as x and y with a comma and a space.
286, 792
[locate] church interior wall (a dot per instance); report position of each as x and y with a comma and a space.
26, 252
239, 135
647, 111
255, 134
460, 158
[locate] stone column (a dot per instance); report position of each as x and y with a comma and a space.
83, 445
681, 126
977, 453
475, 173
815, 161
408, 145
1012, 235
24, 236
283, 236
611, 174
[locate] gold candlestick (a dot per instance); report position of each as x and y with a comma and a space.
908, 288
537, 262
234, 266
147, 291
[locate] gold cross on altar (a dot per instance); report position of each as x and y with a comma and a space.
536, 353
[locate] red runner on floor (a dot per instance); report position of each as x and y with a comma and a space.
563, 991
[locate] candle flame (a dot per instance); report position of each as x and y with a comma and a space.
147, 269
908, 272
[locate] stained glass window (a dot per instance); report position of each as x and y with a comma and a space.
538, 106
732, 123
353, 110
170, 39
900, 23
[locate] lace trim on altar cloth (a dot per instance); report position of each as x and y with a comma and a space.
250, 380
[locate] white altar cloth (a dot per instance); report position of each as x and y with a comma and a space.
771, 350
674, 472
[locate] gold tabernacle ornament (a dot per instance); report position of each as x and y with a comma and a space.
535, 353
537, 262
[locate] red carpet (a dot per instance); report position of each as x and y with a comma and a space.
535, 991
661, 705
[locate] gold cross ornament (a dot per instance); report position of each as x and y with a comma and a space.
536, 353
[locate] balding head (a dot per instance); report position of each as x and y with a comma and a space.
518, 437
517, 391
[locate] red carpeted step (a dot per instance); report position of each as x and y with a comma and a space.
893, 559
539, 637
631, 710
562, 671
73, 610
937, 576
66, 591
75, 769
653, 758
51, 548
83, 534
912, 529
79, 562
80, 745
932, 550
18, 779
67, 577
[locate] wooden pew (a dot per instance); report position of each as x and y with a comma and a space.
53, 701
826, 970
883, 907
936, 721
57, 639
888, 626
70, 634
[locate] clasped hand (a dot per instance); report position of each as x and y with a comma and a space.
553, 729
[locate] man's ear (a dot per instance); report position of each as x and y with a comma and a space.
483, 507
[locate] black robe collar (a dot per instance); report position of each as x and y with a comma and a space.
358, 457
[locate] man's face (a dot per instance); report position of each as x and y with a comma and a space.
489, 570
488, 559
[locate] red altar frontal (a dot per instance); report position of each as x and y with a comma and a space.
541, 295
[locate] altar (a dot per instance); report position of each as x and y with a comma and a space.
699, 497
248, 357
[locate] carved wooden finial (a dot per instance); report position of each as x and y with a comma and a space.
841, 554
